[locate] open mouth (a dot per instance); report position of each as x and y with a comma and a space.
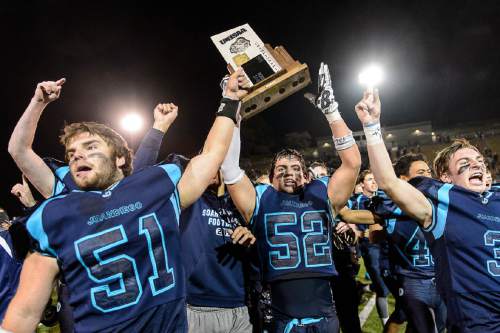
83, 170
476, 178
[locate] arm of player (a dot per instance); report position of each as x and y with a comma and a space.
244, 197
35, 286
202, 168
21, 140
238, 184
358, 216
408, 198
342, 182
147, 153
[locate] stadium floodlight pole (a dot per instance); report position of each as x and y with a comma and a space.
371, 76
132, 123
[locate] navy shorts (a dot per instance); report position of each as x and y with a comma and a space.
420, 299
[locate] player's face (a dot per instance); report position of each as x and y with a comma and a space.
369, 185
91, 163
419, 169
288, 175
467, 169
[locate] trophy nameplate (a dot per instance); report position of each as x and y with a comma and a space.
273, 74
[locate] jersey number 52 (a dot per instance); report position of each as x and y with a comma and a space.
288, 248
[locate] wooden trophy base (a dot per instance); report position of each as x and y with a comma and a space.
266, 93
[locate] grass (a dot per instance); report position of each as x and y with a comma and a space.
373, 323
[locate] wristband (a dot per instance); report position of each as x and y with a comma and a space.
344, 142
373, 133
229, 108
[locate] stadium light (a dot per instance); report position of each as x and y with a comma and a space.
371, 76
132, 122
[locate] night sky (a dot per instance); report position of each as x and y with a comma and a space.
441, 58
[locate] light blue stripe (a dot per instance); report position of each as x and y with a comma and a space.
174, 173
349, 204
304, 321
62, 172
259, 191
174, 199
324, 180
60, 175
397, 211
442, 210
35, 227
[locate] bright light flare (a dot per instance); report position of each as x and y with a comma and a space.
132, 122
371, 76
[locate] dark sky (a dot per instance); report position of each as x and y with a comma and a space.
441, 58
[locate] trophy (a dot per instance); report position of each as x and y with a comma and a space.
273, 74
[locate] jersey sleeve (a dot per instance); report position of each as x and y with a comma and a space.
39, 237
438, 194
147, 153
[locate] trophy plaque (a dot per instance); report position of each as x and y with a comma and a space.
273, 74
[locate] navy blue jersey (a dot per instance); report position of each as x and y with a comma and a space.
118, 250
294, 232
360, 202
464, 238
409, 253
10, 270
213, 263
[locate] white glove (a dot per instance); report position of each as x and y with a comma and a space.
326, 100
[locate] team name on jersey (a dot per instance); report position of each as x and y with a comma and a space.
488, 217
295, 204
112, 213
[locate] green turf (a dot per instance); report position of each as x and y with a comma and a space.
373, 323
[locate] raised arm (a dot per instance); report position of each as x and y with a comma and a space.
21, 140
238, 184
35, 285
147, 153
408, 198
342, 182
202, 168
